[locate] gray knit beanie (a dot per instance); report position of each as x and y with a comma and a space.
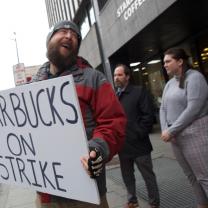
67, 25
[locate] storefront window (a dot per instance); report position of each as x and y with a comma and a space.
150, 75
197, 48
204, 57
202, 46
156, 80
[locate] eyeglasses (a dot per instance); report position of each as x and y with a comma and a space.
68, 32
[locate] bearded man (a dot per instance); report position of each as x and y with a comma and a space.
103, 116
137, 148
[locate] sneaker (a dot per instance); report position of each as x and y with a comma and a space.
131, 205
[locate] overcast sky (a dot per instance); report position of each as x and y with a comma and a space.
28, 19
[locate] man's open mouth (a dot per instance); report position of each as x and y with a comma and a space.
65, 45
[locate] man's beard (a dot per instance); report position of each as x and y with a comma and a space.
118, 84
60, 61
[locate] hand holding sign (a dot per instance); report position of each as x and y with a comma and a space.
93, 163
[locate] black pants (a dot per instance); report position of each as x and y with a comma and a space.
144, 164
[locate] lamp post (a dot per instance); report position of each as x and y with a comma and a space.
15, 39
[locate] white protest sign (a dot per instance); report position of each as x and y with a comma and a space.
42, 139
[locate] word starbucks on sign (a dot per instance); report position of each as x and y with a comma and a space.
19, 115
128, 7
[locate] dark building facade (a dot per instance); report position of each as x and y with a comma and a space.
137, 32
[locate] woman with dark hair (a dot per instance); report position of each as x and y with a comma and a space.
184, 119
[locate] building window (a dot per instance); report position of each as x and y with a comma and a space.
91, 15
87, 20
63, 9
76, 5
101, 3
71, 7
84, 26
66, 3
60, 10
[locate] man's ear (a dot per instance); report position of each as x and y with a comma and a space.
180, 62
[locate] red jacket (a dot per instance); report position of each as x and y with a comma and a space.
103, 116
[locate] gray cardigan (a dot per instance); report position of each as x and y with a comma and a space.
180, 107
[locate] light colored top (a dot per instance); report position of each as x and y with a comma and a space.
180, 107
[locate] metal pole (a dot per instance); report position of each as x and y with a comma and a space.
104, 59
16, 48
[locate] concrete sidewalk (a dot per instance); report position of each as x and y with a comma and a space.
116, 195
15, 197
